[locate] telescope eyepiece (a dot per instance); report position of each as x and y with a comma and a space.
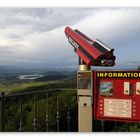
110, 62
103, 62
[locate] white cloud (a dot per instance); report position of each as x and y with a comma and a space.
37, 35
111, 24
29, 34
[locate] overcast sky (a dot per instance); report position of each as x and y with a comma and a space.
35, 37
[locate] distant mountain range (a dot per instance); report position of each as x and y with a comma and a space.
6, 69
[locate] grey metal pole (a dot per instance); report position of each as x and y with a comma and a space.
84, 99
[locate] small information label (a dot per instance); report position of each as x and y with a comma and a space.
117, 108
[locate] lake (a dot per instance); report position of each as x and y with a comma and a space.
30, 76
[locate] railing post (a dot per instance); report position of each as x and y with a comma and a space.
57, 111
68, 111
34, 108
47, 111
20, 124
102, 125
2, 112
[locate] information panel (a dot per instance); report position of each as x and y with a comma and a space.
117, 95
118, 108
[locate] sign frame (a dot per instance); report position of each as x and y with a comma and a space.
118, 95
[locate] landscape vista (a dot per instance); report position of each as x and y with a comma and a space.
35, 54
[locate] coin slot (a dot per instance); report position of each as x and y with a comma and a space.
126, 88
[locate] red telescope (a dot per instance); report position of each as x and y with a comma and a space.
93, 53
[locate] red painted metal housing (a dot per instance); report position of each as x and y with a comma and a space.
86, 59
84, 36
93, 53
82, 42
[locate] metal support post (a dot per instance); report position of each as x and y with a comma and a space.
84, 86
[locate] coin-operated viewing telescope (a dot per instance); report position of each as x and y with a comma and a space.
93, 53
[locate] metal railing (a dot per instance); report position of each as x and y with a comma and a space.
53, 110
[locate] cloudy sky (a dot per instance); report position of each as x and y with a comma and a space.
34, 37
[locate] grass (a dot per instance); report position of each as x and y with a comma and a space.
33, 86
21, 86
2, 88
